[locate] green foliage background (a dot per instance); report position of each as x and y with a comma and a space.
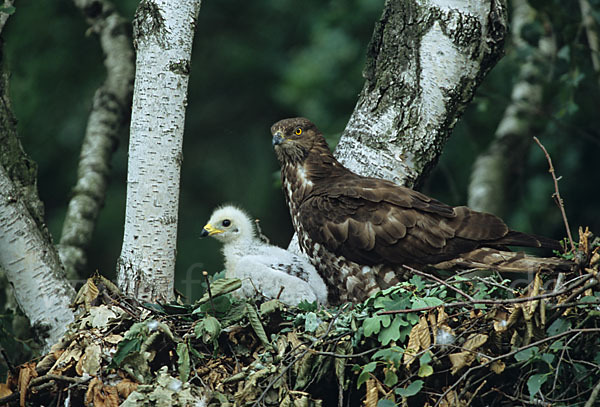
257, 62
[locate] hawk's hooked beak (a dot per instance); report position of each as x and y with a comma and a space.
209, 230
278, 138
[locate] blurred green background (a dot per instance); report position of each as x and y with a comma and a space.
257, 62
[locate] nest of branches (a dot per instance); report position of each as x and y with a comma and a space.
468, 340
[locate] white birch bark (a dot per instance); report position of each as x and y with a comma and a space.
163, 34
28, 258
110, 106
494, 168
425, 60
32, 266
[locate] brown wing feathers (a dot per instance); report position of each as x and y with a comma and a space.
373, 221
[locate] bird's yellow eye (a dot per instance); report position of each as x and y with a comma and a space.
298, 131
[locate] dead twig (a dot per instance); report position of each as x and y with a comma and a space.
210, 297
556, 195
474, 301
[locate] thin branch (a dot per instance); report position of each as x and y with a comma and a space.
559, 200
474, 301
592, 400
341, 356
439, 280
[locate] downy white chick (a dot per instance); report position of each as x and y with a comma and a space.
268, 269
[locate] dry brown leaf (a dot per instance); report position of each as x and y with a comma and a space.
5, 390
466, 357
67, 359
433, 323
100, 395
372, 396
514, 316
125, 387
113, 339
442, 317
414, 344
86, 294
460, 360
497, 366
474, 341
90, 361
424, 336
26, 373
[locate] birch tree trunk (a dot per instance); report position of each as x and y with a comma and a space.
496, 167
27, 255
424, 62
110, 106
163, 34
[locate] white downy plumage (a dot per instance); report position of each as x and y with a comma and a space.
263, 268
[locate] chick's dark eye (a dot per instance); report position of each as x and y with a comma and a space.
298, 131
226, 222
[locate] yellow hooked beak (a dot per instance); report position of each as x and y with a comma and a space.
209, 230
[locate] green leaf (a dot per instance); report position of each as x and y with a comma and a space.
557, 346
386, 403
364, 375
392, 332
392, 354
183, 360
411, 390
124, 348
425, 370
418, 282
425, 358
527, 354
390, 378
256, 324
268, 307
208, 329
217, 288
548, 358
559, 326
305, 305
534, 383
371, 325
312, 322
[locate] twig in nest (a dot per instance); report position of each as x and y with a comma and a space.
298, 357
210, 297
280, 292
557, 198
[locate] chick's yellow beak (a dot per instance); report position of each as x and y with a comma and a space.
209, 230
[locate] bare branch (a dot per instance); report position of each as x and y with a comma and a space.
559, 200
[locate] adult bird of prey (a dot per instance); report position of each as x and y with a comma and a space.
360, 231
264, 269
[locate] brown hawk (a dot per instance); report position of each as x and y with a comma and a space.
359, 231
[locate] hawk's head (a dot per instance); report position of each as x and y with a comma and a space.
229, 224
294, 138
